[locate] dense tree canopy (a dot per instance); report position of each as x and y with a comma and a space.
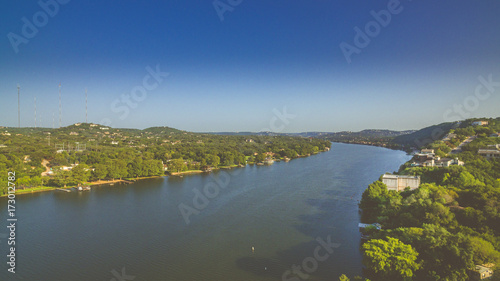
96, 152
452, 220
390, 259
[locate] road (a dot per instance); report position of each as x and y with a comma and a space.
47, 169
458, 149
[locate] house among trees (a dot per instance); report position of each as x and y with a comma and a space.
399, 182
440, 162
482, 272
427, 158
480, 123
490, 152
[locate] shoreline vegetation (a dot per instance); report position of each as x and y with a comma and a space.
39, 189
448, 227
87, 154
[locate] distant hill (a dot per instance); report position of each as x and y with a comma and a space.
422, 137
162, 130
375, 137
370, 133
365, 133
304, 134
407, 140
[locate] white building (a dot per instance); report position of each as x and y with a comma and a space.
480, 123
489, 153
399, 183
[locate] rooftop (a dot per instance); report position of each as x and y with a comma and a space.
391, 176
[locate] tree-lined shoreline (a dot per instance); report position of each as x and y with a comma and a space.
85, 153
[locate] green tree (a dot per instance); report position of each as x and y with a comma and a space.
260, 157
121, 167
135, 168
62, 177
213, 160
344, 278
176, 165
80, 173
391, 259
117, 169
483, 251
100, 171
36, 181
240, 159
23, 182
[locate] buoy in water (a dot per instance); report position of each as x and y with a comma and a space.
253, 249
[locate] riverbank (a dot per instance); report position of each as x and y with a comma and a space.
310, 193
95, 183
188, 172
131, 180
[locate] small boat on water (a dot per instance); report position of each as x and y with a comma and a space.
83, 188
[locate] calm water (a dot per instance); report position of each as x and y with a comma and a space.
279, 210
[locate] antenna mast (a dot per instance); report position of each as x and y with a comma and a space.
86, 120
18, 108
60, 110
35, 112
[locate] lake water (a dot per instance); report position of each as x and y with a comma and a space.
136, 231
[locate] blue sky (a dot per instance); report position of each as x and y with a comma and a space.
233, 75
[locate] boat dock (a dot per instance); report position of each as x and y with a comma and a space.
62, 189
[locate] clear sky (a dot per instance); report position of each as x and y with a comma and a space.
419, 67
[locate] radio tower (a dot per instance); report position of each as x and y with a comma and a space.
60, 110
35, 112
18, 108
86, 120
53, 120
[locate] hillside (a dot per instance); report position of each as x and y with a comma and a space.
89, 152
369, 137
450, 223
424, 136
